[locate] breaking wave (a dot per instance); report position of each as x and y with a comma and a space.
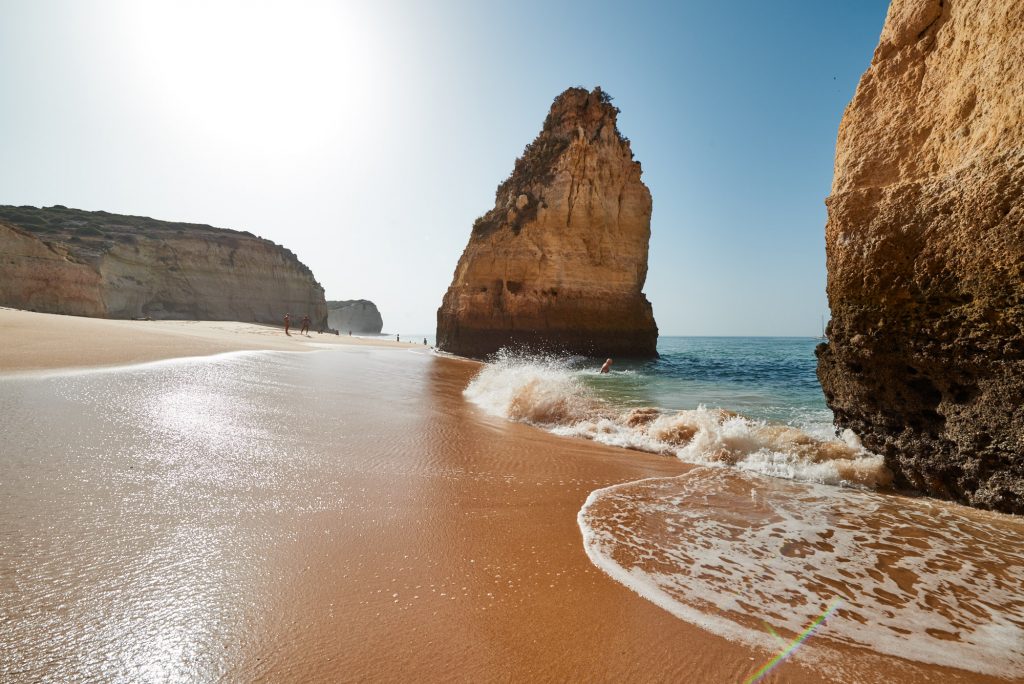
549, 393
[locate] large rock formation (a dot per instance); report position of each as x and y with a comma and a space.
67, 261
354, 315
925, 240
560, 261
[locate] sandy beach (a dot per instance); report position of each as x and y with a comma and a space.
41, 341
315, 517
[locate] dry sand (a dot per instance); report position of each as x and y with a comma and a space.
40, 341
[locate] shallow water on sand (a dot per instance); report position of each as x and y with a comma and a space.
331, 516
758, 560
348, 515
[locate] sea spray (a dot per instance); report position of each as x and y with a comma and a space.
552, 393
541, 390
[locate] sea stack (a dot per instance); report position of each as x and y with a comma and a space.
925, 245
559, 263
354, 315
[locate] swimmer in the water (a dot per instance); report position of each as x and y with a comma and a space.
607, 365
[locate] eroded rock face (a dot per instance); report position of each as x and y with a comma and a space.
559, 263
45, 277
67, 261
925, 242
354, 315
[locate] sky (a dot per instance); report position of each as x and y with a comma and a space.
367, 136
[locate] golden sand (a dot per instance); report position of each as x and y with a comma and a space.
38, 341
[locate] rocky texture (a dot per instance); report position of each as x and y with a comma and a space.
559, 263
925, 242
354, 315
67, 261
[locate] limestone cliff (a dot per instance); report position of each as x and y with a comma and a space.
560, 261
925, 248
67, 261
354, 315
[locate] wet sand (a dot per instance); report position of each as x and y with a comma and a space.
336, 516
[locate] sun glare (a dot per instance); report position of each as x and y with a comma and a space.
267, 77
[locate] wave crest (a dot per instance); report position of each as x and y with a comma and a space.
546, 391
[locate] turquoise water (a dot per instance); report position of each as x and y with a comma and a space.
765, 378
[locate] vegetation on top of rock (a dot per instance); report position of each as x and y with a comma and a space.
574, 111
96, 232
342, 303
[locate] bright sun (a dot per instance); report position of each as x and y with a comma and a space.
268, 77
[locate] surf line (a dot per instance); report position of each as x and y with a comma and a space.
795, 644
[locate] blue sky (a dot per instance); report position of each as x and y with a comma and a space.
367, 136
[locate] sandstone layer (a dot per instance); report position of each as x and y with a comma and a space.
560, 262
67, 261
354, 315
925, 246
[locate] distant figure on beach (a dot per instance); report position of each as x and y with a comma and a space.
398, 338
424, 341
607, 366
287, 324
305, 325
350, 333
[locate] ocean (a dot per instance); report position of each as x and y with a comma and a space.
769, 378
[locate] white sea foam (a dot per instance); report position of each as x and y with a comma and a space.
543, 391
547, 392
921, 580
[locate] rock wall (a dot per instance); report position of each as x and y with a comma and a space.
560, 262
354, 315
925, 248
45, 277
97, 264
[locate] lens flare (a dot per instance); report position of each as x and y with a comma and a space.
795, 644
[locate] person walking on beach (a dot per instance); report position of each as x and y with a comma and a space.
287, 324
607, 366
305, 325
398, 338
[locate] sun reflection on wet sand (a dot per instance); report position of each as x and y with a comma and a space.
321, 517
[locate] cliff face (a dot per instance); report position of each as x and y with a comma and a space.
925, 246
45, 277
67, 261
354, 315
560, 261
